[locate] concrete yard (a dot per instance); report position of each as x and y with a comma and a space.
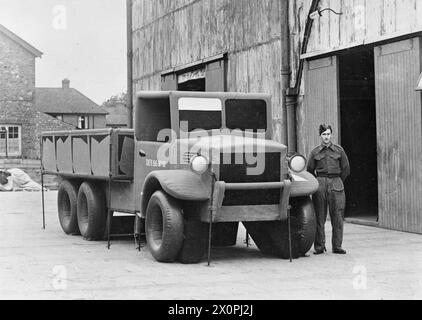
47, 264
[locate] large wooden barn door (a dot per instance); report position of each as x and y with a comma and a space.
169, 82
321, 103
399, 134
215, 78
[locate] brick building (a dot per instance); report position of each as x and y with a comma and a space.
20, 122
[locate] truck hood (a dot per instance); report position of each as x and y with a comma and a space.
213, 146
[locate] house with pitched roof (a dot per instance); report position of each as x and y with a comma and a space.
70, 106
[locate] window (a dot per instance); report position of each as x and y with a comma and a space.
419, 87
205, 75
192, 80
82, 122
200, 113
10, 140
246, 114
152, 116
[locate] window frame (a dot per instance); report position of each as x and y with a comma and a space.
15, 140
85, 122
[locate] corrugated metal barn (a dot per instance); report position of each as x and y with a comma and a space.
360, 70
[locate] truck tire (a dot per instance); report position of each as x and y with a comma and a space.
272, 237
164, 227
260, 235
304, 222
67, 204
91, 211
194, 242
224, 234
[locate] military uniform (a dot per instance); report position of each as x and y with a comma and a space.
331, 167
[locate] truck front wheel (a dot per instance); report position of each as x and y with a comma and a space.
91, 211
67, 199
164, 227
272, 237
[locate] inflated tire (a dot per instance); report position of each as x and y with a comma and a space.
272, 237
67, 204
91, 211
224, 234
164, 227
194, 242
304, 223
260, 235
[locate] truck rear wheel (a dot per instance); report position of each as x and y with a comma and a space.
164, 227
91, 211
67, 200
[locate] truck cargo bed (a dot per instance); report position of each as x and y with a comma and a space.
98, 154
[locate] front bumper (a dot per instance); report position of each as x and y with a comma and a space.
219, 213
302, 184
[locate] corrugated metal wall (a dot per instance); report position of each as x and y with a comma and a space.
399, 133
321, 101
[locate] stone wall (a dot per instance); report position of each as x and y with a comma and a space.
17, 87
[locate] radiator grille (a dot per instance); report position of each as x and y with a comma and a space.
237, 173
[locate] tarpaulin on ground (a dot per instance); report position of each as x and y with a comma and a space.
17, 180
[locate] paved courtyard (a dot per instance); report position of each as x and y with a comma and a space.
47, 264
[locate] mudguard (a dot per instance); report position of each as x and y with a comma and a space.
179, 184
303, 184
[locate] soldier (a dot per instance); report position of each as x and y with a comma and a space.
329, 163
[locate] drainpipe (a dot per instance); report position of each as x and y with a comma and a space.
129, 64
285, 63
292, 94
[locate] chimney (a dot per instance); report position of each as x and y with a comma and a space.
66, 84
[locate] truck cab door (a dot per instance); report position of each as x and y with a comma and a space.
146, 161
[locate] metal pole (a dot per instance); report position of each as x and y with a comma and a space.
291, 102
211, 218
247, 239
109, 212
285, 64
6, 141
43, 204
129, 64
42, 185
290, 234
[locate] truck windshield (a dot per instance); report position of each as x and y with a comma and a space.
200, 113
246, 114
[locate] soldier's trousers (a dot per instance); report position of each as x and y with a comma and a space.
331, 196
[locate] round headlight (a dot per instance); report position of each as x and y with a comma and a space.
199, 164
297, 163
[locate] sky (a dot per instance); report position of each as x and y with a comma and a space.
82, 40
